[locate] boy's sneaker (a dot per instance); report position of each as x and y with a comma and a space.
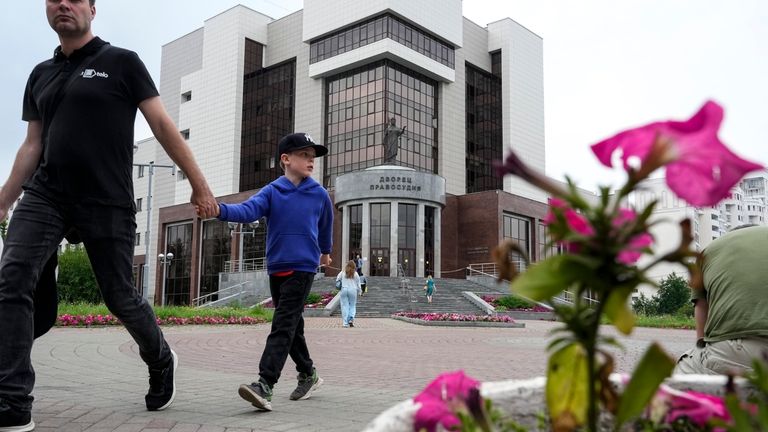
12, 420
259, 394
307, 385
162, 385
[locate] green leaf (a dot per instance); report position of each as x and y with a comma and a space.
550, 277
567, 392
617, 309
655, 366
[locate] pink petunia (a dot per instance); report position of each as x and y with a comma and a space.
439, 398
635, 248
699, 168
625, 216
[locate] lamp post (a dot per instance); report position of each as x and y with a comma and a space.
233, 231
165, 261
148, 240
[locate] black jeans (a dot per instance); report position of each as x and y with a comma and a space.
34, 233
287, 335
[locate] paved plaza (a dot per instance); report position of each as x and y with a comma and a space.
93, 379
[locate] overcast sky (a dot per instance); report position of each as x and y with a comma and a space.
608, 64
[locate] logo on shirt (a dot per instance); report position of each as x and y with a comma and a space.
90, 73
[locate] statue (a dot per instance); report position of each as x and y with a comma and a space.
392, 141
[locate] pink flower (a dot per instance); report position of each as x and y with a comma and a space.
576, 222
624, 217
700, 168
672, 404
635, 248
439, 400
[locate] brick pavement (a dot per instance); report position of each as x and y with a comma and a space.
93, 380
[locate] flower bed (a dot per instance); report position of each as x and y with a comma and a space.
457, 320
67, 320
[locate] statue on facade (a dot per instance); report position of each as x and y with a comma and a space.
392, 141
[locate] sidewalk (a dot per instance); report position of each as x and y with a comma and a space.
93, 379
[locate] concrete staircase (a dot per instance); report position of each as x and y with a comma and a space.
386, 296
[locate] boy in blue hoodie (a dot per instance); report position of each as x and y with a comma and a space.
299, 237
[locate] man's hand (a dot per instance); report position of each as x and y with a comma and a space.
205, 204
325, 260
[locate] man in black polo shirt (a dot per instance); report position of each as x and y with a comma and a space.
75, 169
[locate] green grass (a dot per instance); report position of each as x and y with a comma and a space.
172, 311
662, 321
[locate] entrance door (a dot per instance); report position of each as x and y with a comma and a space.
379, 262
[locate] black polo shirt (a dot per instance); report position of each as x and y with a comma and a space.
88, 148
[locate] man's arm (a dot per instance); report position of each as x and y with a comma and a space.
169, 137
700, 312
27, 159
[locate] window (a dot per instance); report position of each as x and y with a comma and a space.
359, 104
380, 240
181, 176
137, 241
429, 240
382, 26
406, 237
140, 174
185, 134
484, 142
186, 96
518, 229
355, 229
139, 202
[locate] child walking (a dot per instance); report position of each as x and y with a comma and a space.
429, 288
299, 237
350, 289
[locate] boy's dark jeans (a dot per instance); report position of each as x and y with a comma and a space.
35, 231
287, 335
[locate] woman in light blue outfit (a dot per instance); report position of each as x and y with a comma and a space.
350, 289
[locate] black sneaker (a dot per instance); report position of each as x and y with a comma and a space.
162, 386
259, 394
307, 385
12, 420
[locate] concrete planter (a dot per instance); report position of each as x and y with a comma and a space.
523, 401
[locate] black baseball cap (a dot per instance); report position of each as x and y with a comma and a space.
297, 141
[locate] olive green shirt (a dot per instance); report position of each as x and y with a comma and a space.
735, 270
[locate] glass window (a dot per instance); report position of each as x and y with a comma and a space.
178, 241
364, 99
355, 229
518, 229
406, 238
379, 236
377, 28
268, 115
484, 130
216, 250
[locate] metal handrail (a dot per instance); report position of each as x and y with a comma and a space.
199, 301
253, 264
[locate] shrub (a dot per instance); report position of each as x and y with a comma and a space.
643, 305
76, 282
672, 295
513, 302
313, 298
685, 311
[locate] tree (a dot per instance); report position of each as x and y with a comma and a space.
673, 294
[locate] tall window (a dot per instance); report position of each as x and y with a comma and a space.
518, 229
359, 105
216, 251
406, 237
429, 240
377, 28
484, 133
255, 245
546, 247
178, 271
268, 115
380, 229
355, 230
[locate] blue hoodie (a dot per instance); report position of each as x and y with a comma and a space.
299, 222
